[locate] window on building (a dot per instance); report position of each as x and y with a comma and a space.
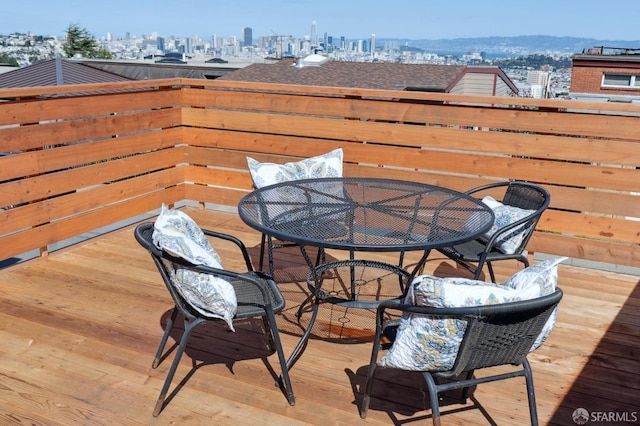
620, 80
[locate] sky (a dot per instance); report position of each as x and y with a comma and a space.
354, 19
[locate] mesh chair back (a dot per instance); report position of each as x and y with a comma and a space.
503, 334
531, 197
526, 196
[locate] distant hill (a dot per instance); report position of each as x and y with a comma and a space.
513, 45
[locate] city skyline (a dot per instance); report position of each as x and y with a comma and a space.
413, 19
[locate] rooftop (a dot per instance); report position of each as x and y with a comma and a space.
351, 74
57, 72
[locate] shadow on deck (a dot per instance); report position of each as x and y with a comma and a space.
81, 326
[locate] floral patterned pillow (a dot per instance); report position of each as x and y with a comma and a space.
430, 343
176, 233
506, 215
544, 276
326, 165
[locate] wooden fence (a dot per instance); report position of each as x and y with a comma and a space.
77, 158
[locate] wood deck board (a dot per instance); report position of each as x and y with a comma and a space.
80, 327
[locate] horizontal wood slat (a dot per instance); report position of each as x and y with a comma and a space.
568, 198
583, 248
35, 214
584, 153
69, 156
396, 141
59, 183
445, 114
215, 195
34, 136
53, 232
217, 177
96, 104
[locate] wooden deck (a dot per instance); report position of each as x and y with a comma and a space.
79, 329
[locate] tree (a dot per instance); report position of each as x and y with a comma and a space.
6, 59
80, 42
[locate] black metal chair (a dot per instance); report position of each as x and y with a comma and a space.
500, 334
473, 255
257, 295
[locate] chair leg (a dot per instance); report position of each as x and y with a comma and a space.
466, 389
284, 380
266, 241
528, 375
433, 397
267, 327
366, 397
270, 256
263, 242
320, 259
189, 326
491, 274
163, 342
478, 270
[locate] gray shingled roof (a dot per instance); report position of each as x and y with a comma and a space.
386, 76
56, 72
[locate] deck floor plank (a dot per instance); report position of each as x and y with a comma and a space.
79, 329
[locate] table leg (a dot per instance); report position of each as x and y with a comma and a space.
302, 344
418, 266
317, 299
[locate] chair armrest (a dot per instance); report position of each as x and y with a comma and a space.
551, 299
234, 240
399, 305
533, 218
255, 279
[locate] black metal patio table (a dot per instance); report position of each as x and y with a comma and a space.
362, 215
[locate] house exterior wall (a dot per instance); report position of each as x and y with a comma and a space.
475, 84
482, 84
587, 75
502, 88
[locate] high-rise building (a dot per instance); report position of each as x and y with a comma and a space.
314, 34
538, 77
248, 37
160, 45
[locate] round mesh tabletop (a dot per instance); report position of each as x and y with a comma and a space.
365, 214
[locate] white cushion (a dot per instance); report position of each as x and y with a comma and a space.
176, 233
506, 215
431, 344
326, 165
544, 277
